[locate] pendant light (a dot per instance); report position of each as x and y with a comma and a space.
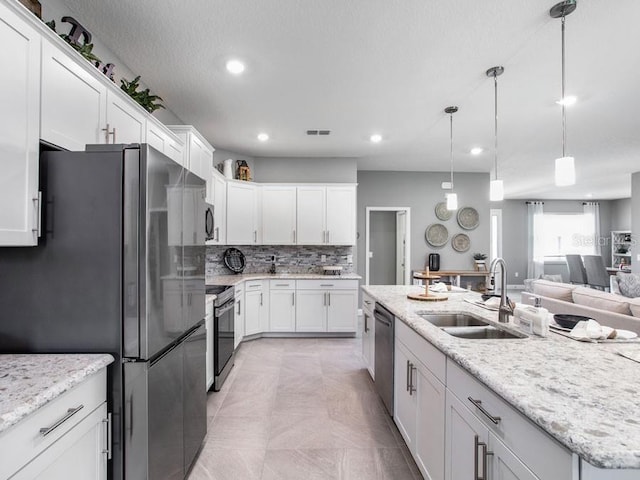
452, 198
565, 166
496, 187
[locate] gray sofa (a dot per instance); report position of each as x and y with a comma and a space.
608, 309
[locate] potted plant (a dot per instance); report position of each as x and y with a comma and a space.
479, 260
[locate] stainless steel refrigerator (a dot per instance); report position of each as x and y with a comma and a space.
120, 269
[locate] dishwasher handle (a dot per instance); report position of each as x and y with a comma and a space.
382, 318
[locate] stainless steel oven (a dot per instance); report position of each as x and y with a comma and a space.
223, 333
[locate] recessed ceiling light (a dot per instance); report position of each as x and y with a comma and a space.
567, 101
477, 150
235, 66
263, 137
375, 138
589, 195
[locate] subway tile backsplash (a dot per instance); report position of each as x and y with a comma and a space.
289, 258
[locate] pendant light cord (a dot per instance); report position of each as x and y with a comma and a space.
562, 98
495, 85
451, 147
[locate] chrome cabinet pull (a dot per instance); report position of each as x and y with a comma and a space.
294, 236
327, 285
260, 299
238, 303
107, 133
367, 302
412, 387
293, 299
329, 299
485, 453
478, 405
328, 236
366, 328
408, 373
255, 236
70, 413
217, 234
38, 206
109, 441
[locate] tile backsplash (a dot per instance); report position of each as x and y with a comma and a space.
289, 258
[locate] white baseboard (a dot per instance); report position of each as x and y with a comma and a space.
515, 287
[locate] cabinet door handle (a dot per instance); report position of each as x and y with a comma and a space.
238, 303
367, 302
329, 299
255, 236
366, 328
478, 405
260, 299
328, 236
293, 299
38, 208
294, 236
107, 450
408, 373
485, 453
412, 387
217, 234
324, 299
107, 133
70, 413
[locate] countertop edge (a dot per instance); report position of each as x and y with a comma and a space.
233, 280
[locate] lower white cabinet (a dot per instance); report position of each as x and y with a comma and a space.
76, 445
238, 317
368, 334
311, 311
256, 317
326, 305
342, 306
419, 411
208, 324
282, 306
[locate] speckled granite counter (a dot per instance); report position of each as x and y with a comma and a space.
583, 394
236, 279
28, 382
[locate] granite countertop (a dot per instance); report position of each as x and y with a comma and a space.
30, 381
239, 278
583, 394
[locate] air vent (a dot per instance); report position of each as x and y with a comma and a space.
319, 132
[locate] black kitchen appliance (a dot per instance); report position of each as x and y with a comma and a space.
384, 349
223, 332
122, 223
434, 262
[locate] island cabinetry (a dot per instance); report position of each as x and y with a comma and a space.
19, 132
515, 448
282, 306
67, 438
368, 334
419, 410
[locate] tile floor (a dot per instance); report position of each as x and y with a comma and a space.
301, 409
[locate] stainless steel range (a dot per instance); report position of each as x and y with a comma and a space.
223, 333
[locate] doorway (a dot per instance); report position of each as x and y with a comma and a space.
387, 246
495, 250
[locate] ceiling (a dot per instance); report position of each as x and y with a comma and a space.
359, 67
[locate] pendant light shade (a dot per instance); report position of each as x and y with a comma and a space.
565, 165
452, 198
496, 187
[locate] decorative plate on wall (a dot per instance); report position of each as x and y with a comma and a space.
468, 218
460, 242
442, 212
436, 234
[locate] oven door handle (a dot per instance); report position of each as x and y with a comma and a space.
224, 309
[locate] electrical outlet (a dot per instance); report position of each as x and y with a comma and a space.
516, 274
323, 258
349, 258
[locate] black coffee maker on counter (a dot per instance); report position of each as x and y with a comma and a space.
434, 262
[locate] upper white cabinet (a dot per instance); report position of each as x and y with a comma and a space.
198, 154
326, 215
74, 101
219, 186
164, 140
126, 122
279, 215
242, 213
19, 129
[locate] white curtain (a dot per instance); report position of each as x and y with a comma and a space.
535, 255
592, 217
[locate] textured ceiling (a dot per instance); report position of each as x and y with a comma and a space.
391, 66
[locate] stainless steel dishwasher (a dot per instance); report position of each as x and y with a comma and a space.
384, 355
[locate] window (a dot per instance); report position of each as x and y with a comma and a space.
567, 233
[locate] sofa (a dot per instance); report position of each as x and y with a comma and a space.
608, 309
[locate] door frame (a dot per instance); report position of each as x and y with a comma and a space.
367, 241
497, 213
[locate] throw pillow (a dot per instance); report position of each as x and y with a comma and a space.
629, 284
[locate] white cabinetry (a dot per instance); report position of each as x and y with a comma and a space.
208, 323
219, 186
238, 317
242, 213
368, 334
278, 215
419, 409
165, 141
126, 122
326, 305
256, 316
621, 244
282, 306
76, 446
198, 154
19, 130
326, 215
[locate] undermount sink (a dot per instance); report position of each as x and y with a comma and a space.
464, 325
480, 333
453, 320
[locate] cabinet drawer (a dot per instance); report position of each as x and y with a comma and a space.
328, 284
253, 285
430, 356
23, 441
282, 284
547, 458
368, 302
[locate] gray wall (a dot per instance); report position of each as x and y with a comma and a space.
514, 233
305, 170
383, 246
621, 214
220, 156
421, 191
635, 220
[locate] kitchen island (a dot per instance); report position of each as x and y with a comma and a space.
583, 395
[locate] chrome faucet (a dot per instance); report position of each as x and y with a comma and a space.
505, 309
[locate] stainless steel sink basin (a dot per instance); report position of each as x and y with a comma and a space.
453, 320
482, 333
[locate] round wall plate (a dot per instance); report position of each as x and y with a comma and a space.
468, 218
460, 242
436, 235
442, 212
234, 260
